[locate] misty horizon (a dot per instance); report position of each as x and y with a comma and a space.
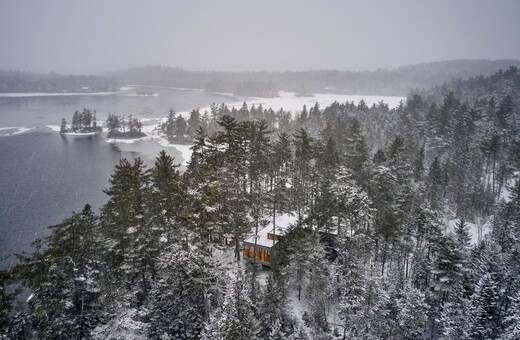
512, 62
96, 37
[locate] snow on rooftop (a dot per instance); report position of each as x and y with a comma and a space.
285, 220
262, 239
282, 226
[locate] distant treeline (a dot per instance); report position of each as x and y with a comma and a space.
396, 81
20, 82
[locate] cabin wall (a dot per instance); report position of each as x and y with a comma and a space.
263, 255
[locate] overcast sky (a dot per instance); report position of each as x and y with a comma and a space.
275, 35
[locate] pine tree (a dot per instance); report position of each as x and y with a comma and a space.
352, 297
454, 316
449, 264
299, 250
512, 320
232, 176
484, 310
125, 221
412, 313
64, 276
168, 192
274, 311
113, 125
303, 155
168, 127
234, 320
418, 165
76, 121
319, 289
435, 183
277, 333
194, 123
63, 126
181, 128
357, 153
178, 301
462, 234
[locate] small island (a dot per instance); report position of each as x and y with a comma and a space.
121, 127
83, 124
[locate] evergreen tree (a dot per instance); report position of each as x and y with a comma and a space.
113, 124
194, 123
234, 320
462, 234
319, 290
512, 320
181, 128
168, 193
178, 301
412, 313
449, 264
131, 244
454, 317
63, 126
352, 297
64, 276
484, 310
76, 121
418, 166
435, 183
274, 311
303, 155
168, 127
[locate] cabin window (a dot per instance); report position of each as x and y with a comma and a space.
248, 251
259, 254
270, 236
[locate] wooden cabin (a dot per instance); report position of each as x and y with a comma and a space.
266, 241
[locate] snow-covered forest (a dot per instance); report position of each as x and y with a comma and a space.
407, 226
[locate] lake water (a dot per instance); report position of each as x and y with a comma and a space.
44, 177
40, 111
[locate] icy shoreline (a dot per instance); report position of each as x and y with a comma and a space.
288, 101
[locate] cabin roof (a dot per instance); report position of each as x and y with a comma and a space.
261, 237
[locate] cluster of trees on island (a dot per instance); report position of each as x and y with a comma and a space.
82, 122
118, 126
371, 257
124, 127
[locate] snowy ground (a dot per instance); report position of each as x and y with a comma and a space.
143, 95
127, 140
478, 230
288, 101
